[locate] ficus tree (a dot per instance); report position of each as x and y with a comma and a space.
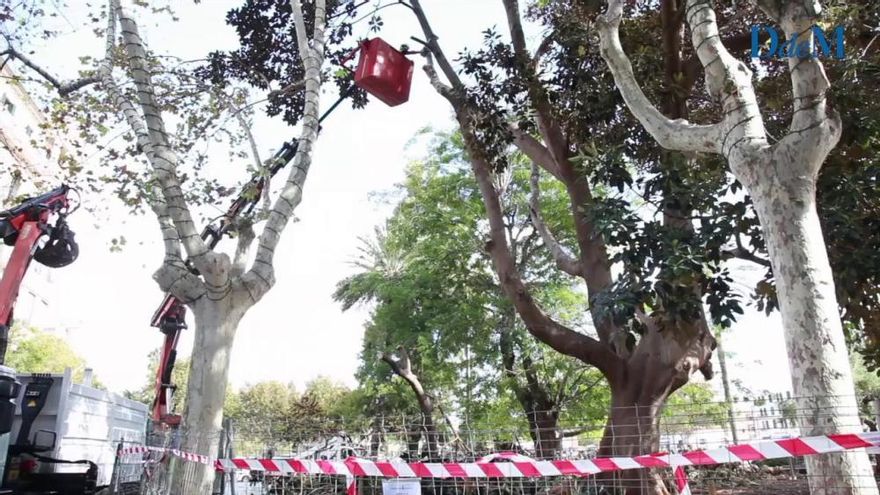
218, 288
651, 332
780, 178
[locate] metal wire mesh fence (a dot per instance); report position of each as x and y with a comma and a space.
682, 428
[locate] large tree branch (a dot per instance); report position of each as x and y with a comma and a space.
154, 198
261, 277
671, 134
809, 83
728, 81
565, 261
402, 367
162, 158
535, 151
63, 88
555, 158
434, 47
591, 245
549, 127
735, 43
136, 56
538, 323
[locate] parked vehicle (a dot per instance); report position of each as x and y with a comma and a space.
65, 435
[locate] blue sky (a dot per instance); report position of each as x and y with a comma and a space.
297, 332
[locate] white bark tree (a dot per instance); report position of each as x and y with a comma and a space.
224, 288
781, 180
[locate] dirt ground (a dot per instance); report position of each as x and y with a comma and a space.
759, 487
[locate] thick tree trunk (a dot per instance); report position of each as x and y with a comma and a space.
821, 376
540, 410
215, 325
544, 430
633, 429
413, 438
432, 443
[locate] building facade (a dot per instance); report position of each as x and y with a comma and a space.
29, 155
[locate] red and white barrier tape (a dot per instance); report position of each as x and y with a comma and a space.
142, 449
759, 451
517, 466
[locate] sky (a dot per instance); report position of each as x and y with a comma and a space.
297, 332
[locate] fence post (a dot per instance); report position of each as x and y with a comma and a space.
219, 478
230, 451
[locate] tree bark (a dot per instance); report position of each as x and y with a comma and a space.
781, 179
540, 411
215, 325
402, 367
544, 430
821, 376
633, 428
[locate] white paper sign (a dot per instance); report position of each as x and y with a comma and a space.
401, 487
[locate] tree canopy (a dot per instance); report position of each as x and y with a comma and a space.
32, 350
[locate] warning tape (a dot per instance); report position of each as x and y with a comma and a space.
188, 456
523, 467
758, 451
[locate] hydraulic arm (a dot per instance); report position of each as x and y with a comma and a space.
22, 227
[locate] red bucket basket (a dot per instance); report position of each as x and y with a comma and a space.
384, 72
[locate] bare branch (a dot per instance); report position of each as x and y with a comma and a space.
535, 150
258, 163
671, 134
163, 159
290, 88
402, 367
439, 86
434, 47
740, 252
542, 50
261, 276
565, 261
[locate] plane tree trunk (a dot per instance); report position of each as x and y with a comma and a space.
781, 180
217, 289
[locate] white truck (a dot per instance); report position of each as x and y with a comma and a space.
64, 434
